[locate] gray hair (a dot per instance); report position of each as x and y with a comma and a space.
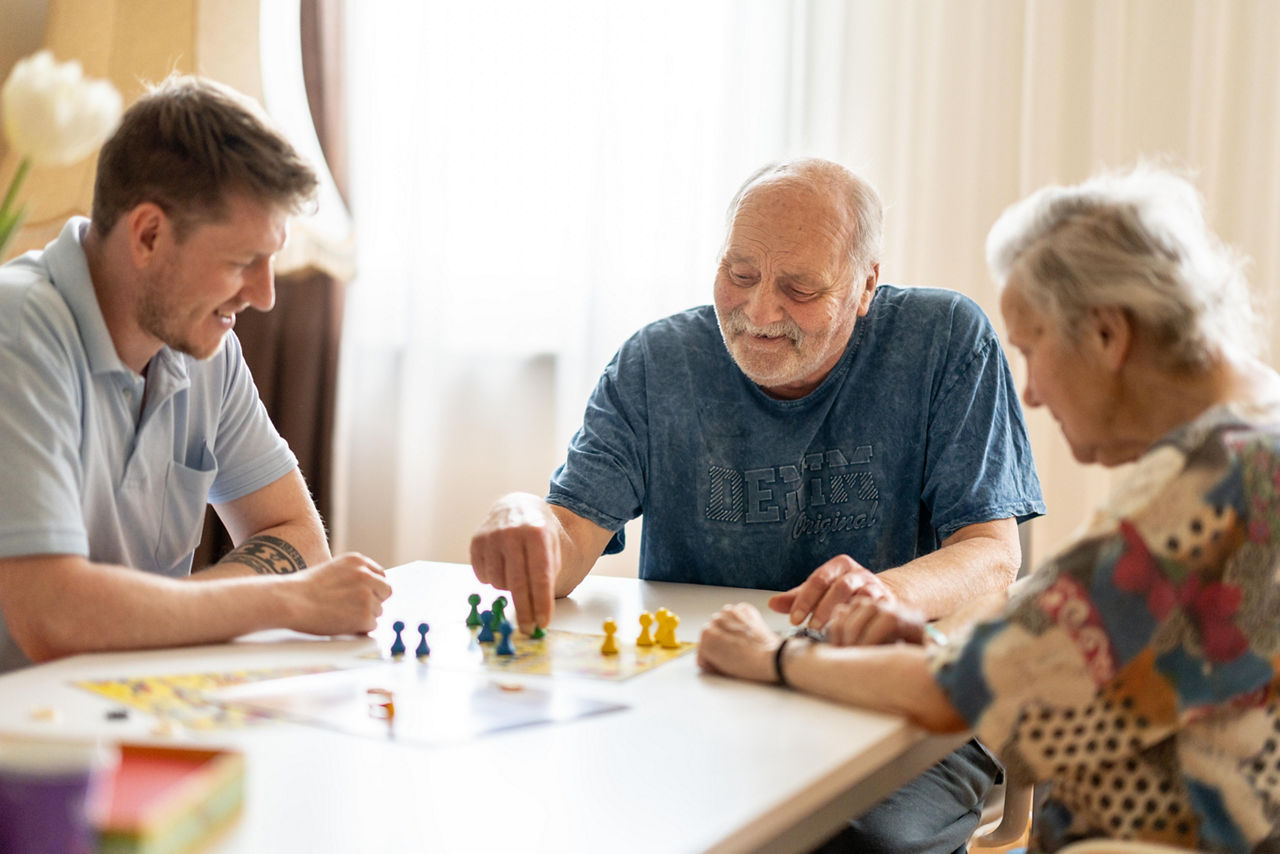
1134, 240
863, 201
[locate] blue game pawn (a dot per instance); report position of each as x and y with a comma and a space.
504, 645
397, 648
423, 650
486, 627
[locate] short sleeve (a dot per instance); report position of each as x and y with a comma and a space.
250, 452
978, 462
40, 510
603, 477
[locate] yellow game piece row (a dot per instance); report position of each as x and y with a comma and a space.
666, 636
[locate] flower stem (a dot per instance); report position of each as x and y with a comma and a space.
9, 217
18, 177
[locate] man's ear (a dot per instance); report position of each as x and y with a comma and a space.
868, 289
149, 230
1111, 334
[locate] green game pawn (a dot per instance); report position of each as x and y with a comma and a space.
473, 619
538, 633
499, 609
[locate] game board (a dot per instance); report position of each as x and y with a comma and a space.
431, 705
180, 698
560, 653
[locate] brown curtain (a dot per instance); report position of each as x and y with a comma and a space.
292, 351
322, 70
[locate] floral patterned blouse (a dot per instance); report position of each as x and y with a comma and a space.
1136, 670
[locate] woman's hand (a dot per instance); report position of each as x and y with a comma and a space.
738, 643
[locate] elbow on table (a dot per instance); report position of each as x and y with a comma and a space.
40, 645
940, 719
44, 636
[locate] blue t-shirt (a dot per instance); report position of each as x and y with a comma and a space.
89, 467
914, 434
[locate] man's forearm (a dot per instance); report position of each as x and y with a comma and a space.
60, 606
940, 582
282, 550
276, 529
581, 544
574, 566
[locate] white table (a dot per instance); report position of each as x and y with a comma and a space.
694, 763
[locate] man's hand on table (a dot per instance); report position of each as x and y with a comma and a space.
838, 581
863, 621
517, 548
342, 596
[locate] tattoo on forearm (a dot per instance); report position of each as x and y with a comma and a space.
267, 555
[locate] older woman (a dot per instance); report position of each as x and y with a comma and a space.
1137, 669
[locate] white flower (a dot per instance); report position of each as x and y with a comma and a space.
53, 114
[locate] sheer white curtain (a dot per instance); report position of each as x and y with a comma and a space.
956, 109
535, 181
531, 183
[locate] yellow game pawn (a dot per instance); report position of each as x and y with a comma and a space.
660, 635
669, 636
610, 645
645, 639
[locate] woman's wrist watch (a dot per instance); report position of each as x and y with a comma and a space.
800, 633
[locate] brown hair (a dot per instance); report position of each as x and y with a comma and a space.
186, 145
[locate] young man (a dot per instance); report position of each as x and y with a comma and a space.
125, 405
814, 432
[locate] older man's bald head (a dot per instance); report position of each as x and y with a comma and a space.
854, 200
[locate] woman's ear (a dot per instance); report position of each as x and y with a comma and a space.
1111, 334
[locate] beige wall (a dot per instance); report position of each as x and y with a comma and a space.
23, 33
130, 43
957, 109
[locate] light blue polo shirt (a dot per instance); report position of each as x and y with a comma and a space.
87, 467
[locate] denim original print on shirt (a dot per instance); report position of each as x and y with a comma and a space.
827, 493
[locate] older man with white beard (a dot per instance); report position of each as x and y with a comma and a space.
814, 432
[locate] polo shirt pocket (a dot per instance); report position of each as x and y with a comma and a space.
186, 495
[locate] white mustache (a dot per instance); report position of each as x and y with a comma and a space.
736, 323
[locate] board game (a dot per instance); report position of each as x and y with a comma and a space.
442, 690
181, 698
560, 653
411, 703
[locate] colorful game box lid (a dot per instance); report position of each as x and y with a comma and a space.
168, 799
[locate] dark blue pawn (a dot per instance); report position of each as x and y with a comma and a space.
486, 630
397, 648
504, 645
423, 650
